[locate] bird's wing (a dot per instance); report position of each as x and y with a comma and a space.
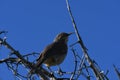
45, 54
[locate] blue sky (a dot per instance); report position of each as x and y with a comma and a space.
31, 25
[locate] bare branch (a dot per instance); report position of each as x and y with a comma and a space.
10, 60
20, 58
96, 71
117, 72
75, 68
15, 52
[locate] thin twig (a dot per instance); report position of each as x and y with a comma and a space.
75, 68
117, 72
42, 72
1, 32
84, 49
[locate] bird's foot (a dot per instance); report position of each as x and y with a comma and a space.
60, 72
51, 72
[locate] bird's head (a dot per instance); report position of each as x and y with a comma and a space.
62, 37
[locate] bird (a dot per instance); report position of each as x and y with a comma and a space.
55, 53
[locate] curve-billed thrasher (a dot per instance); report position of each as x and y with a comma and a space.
55, 53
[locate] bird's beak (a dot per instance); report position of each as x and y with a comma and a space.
70, 33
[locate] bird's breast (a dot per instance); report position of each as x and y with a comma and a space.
60, 59
56, 55
55, 60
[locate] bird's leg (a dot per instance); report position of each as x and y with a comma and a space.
60, 72
50, 70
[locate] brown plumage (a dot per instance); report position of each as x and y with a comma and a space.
55, 53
